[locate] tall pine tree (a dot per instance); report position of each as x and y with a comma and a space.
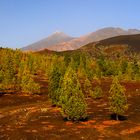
117, 98
72, 99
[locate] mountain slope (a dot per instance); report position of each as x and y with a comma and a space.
55, 38
123, 45
92, 37
120, 44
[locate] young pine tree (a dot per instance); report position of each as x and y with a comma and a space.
55, 78
97, 93
129, 72
81, 69
117, 98
88, 87
72, 99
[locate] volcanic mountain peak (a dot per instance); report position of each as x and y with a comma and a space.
51, 40
59, 33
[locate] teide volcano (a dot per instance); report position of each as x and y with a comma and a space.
52, 40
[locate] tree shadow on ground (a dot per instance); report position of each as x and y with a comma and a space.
120, 117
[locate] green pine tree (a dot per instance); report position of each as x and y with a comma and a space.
81, 69
117, 98
88, 87
129, 72
55, 79
97, 93
72, 99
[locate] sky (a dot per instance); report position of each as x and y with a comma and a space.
23, 22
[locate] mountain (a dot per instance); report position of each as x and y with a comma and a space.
53, 39
92, 37
62, 42
124, 45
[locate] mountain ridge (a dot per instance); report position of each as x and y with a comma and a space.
71, 43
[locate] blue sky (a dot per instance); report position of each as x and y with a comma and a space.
25, 21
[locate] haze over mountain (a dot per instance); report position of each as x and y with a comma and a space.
63, 42
53, 39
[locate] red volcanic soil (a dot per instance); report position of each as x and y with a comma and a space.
32, 117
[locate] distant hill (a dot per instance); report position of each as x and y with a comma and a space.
120, 44
53, 39
61, 42
92, 37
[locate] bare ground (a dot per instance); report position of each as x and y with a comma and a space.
32, 117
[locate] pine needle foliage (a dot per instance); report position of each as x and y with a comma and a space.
117, 99
72, 99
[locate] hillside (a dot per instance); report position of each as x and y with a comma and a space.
120, 44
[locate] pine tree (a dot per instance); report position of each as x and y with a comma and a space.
81, 69
55, 79
129, 72
97, 93
136, 69
117, 98
88, 87
123, 65
72, 99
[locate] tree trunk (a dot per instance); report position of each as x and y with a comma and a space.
117, 117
